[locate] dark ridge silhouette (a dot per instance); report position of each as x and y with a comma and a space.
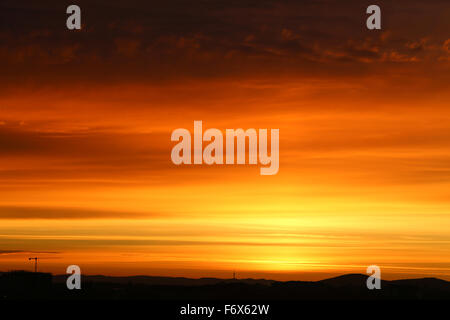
27, 285
348, 280
152, 280
423, 283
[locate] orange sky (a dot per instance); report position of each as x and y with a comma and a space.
85, 122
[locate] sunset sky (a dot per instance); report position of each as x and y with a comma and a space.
86, 117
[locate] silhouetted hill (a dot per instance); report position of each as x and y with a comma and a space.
170, 281
428, 283
345, 287
346, 280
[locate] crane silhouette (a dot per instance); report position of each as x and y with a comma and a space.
35, 262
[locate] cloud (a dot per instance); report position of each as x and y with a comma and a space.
9, 252
17, 212
89, 151
177, 40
